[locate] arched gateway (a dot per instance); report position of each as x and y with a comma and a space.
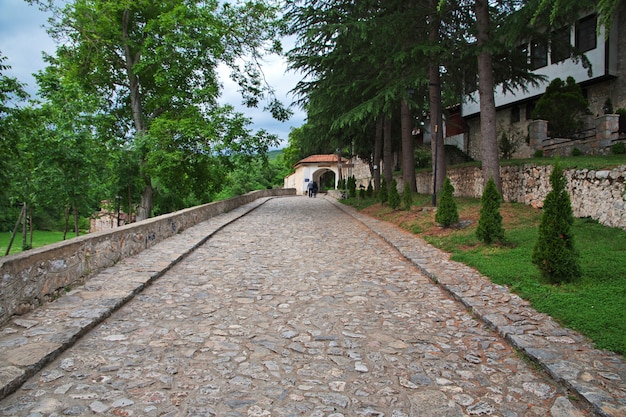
323, 169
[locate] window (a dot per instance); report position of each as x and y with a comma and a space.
515, 114
538, 56
559, 45
586, 34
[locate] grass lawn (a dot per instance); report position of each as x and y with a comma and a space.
40, 238
594, 306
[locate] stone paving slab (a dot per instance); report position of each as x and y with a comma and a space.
25, 347
597, 376
225, 325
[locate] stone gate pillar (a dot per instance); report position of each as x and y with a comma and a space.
537, 133
607, 129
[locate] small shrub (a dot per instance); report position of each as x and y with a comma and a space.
538, 153
351, 186
554, 253
509, 143
394, 196
362, 193
618, 148
576, 152
407, 197
562, 106
370, 190
490, 227
383, 192
447, 212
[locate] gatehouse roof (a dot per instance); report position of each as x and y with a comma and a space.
321, 159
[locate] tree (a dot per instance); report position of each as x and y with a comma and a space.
447, 212
383, 193
394, 196
562, 105
488, 140
490, 227
554, 253
407, 197
11, 94
155, 66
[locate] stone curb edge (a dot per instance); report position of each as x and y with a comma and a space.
601, 401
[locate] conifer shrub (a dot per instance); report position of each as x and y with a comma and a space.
490, 227
394, 196
554, 253
447, 212
351, 186
562, 106
370, 190
407, 197
383, 192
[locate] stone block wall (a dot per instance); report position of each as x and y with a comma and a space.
32, 277
600, 194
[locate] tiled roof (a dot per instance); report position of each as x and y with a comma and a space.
320, 159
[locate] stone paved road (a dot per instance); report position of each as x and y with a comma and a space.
294, 310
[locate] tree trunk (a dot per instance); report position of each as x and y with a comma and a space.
145, 206
408, 146
436, 120
387, 151
488, 141
378, 146
76, 229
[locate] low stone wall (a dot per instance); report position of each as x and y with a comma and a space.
597, 194
35, 276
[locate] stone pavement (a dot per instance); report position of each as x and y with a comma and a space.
297, 309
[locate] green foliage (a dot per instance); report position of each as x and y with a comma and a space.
370, 190
423, 156
351, 185
554, 253
618, 148
447, 212
490, 227
394, 196
576, 152
407, 197
509, 143
342, 184
562, 105
383, 193
538, 153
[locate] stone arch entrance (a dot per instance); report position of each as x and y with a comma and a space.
314, 168
325, 178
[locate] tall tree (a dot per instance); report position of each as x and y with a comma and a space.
489, 141
156, 64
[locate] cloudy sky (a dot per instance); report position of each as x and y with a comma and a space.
23, 39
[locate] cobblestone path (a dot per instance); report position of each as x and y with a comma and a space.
296, 309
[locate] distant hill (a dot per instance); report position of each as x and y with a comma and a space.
271, 155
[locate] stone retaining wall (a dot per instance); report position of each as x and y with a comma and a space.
38, 275
596, 194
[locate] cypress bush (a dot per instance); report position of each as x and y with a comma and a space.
490, 227
382, 193
554, 253
351, 184
370, 189
447, 212
407, 197
394, 196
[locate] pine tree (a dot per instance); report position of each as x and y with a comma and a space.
383, 192
490, 222
351, 184
407, 197
447, 212
554, 253
394, 196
